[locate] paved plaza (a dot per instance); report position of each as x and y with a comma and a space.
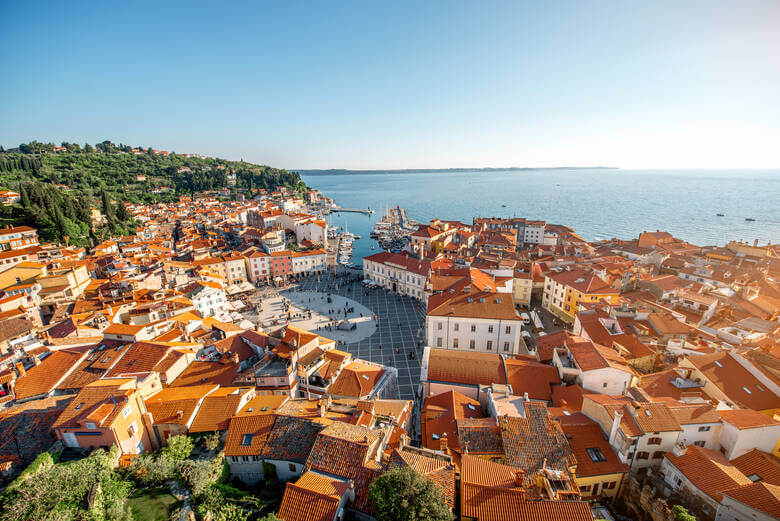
397, 332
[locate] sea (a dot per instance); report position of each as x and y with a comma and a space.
597, 203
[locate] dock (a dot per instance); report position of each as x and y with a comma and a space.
353, 210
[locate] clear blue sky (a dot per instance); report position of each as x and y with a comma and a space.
402, 84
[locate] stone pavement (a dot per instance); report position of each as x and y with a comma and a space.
400, 326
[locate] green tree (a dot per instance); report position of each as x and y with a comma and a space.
25, 197
179, 448
682, 514
404, 495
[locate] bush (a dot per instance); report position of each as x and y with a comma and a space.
212, 441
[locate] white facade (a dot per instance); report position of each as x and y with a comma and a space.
730, 509
258, 267
700, 434
210, 301
534, 233
248, 469
313, 231
396, 278
736, 442
308, 263
483, 335
677, 481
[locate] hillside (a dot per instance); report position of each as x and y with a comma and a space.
73, 179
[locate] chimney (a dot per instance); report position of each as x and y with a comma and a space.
351, 492
615, 425
755, 243
519, 478
36, 360
443, 444
323, 406
20, 369
525, 396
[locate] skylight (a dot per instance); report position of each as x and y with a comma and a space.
746, 390
471, 406
596, 455
247, 440
435, 436
718, 364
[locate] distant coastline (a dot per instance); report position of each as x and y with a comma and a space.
446, 170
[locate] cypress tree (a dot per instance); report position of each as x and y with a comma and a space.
25, 196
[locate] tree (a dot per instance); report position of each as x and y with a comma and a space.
682, 514
270, 517
179, 448
404, 495
211, 441
25, 197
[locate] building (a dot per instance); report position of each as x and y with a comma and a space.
744, 430
600, 472
702, 474
596, 368
308, 262
756, 501
105, 413
471, 314
640, 433
399, 273
564, 291
18, 237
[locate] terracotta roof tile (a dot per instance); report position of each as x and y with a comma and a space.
451, 366
41, 379
761, 496
766, 467
708, 471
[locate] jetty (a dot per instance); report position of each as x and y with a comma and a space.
368, 211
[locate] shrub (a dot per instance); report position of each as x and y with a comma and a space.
404, 495
212, 441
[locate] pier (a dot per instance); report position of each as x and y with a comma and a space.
353, 210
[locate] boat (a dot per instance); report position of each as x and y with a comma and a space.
749, 219
503, 206
719, 214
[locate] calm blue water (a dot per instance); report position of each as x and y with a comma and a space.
598, 204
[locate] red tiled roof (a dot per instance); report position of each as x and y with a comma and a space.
446, 365
708, 471
765, 466
761, 496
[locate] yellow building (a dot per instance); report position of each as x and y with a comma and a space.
565, 290
599, 472
22, 273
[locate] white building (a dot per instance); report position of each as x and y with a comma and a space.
756, 502
534, 232
398, 273
258, 267
472, 314
208, 298
744, 430
640, 433
596, 368
308, 261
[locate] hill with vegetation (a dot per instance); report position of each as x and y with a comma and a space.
61, 184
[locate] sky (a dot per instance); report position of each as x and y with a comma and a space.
383, 85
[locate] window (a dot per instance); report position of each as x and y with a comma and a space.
654, 441
471, 344
490, 329
438, 342
699, 443
291, 466
595, 454
489, 345
455, 343
508, 329
79, 406
506, 346
456, 327
704, 428
132, 429
610, 485
754, 477
658, 454
642, 455
585, 488
244, 459
126, 411
438, 326
604, 385
90, 425
247, 440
